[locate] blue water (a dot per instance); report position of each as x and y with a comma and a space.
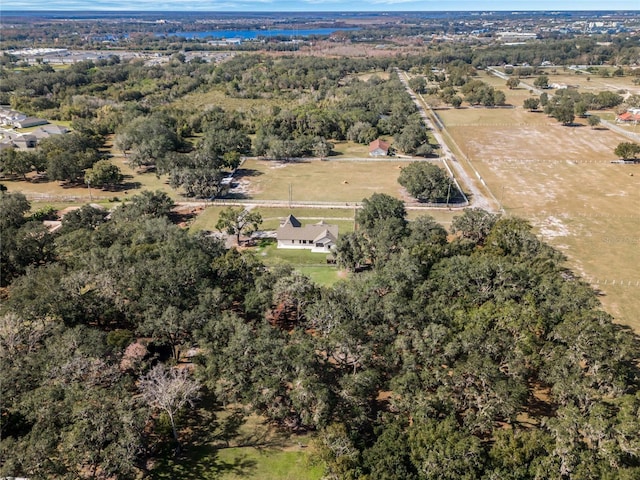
253, 34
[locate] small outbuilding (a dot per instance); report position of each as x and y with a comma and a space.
379, 148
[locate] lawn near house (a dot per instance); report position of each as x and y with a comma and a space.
314, 265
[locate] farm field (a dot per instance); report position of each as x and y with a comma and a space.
319, 181
561, 179
582, 80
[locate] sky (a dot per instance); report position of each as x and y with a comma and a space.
315, 5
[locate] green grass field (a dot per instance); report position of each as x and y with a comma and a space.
255, 450
314, 265
209, 463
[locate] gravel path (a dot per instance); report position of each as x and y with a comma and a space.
478, 199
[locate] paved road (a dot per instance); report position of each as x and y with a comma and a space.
618, 129
478, 198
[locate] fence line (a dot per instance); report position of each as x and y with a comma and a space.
614, 283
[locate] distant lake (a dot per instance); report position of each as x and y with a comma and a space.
253, 34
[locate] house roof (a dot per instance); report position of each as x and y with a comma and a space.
325, 236
30, 122
291, 220
377, 143
25, 138
629, 117
311, 233
48, 130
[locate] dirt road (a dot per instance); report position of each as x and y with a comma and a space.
471, 182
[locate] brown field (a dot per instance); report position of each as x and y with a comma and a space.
56, 192
330, 181
561, 179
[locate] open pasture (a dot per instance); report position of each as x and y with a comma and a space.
318, 181
562, 180
593, 83
217, 98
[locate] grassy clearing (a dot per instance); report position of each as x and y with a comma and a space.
271, 255
595, 83
134, 182
311, 264
443, 216
208, 463
217, 98
319, 181
561, 179
350, 149
255, 449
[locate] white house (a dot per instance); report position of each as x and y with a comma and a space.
319, 237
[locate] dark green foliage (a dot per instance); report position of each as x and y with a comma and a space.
67, 156
474, 224
627, 150
412, 137
87, 217
542, 81
24, 243
19, 162
146, 204
531, 103
103, 174
480, 356
428, 183
379, 206
476, 92
149, 140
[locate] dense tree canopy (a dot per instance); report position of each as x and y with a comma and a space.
428, 183
496, 361
469, 353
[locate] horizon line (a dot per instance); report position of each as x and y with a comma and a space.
15, 9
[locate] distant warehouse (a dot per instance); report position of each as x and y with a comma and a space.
516, 36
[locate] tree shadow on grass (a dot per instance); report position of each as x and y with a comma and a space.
205, 432
201, 463
246, 172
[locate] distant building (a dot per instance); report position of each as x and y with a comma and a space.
319, 237
630, 116
29, 122
49, 131
25, 141
516, 36
8, 115
378, 148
